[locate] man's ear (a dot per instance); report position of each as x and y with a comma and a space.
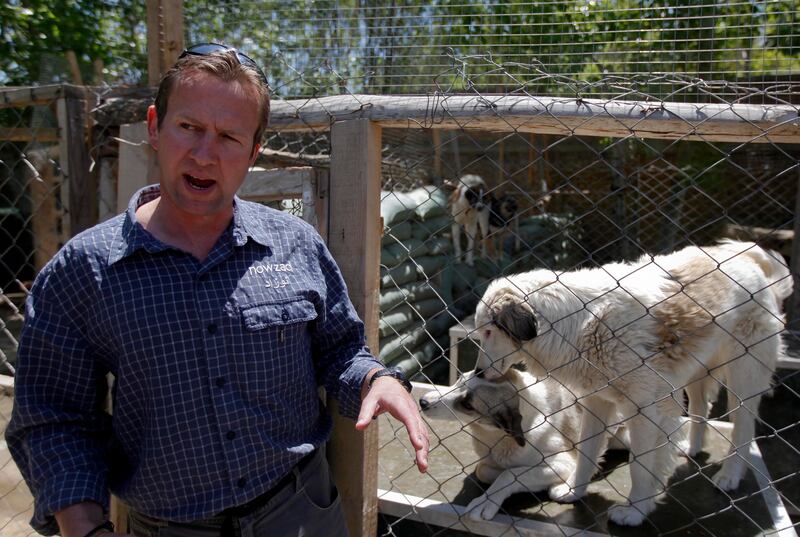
256, 149
152, 127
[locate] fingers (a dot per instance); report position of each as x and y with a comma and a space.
391, 397
369, 408
418, 434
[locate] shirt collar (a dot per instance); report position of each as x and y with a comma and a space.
134, 236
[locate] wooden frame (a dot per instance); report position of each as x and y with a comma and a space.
713, 122
353, 186
354, 241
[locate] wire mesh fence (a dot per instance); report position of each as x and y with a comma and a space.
567, 203
583, 177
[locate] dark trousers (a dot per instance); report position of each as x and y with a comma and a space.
305, 504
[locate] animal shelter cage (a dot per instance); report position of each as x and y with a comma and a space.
594, 181
378, 116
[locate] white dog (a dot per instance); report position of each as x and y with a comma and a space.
629, 337
469, 206
523, 431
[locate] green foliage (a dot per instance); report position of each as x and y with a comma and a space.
36, 34
400, 46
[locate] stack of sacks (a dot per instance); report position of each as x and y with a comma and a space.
415, 249
546, 241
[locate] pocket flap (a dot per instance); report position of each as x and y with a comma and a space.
281, 314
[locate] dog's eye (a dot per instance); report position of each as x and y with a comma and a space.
486, 334
467, 405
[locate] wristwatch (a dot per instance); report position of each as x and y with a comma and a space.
395, 374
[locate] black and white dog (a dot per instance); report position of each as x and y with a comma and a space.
470, 207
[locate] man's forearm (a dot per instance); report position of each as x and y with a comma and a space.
79, 519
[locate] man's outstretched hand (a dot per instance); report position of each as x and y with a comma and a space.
388, 395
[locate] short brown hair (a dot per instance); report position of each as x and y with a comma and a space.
223, 65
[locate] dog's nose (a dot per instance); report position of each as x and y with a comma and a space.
479, 373
423, 403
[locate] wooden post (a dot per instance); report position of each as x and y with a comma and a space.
164, 36
42, 188
79, 187
354, 241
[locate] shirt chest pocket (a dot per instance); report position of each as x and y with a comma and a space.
281, 315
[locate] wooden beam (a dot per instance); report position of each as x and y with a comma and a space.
546, 115
45, 214
164, 36
172, 39
81, 191
276, 184
354, 241
29, 134
153, 42
20, 97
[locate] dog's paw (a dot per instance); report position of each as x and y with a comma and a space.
482, 508
727, 478
629, 515
564, 493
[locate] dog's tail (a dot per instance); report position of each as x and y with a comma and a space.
777, 275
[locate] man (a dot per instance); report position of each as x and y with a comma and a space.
219, 319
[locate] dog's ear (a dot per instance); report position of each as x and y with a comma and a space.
515, 317
510, 420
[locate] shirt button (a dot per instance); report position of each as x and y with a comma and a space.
241, 483
285, 316
212, 328
221, 381
230, 435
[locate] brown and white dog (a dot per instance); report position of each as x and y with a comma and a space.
469, 206
628, 338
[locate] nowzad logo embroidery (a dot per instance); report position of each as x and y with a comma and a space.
269, 269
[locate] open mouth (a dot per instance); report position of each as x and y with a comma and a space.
197, 183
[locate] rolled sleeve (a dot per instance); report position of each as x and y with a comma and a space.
58, 430
340, 354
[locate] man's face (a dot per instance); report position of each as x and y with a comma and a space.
204, 144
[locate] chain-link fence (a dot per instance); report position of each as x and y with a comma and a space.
611, 187
606, 174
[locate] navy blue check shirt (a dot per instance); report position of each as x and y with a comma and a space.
217, 365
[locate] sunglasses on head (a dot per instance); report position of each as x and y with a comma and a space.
204, 49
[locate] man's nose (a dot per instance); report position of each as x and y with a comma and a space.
205, 149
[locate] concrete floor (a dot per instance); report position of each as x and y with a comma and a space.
693, 506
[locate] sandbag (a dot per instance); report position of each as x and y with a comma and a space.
397, 207
396, 233
398, 252
392, 347
412, 292
399, 274
440, 225
428, 266
429, 202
